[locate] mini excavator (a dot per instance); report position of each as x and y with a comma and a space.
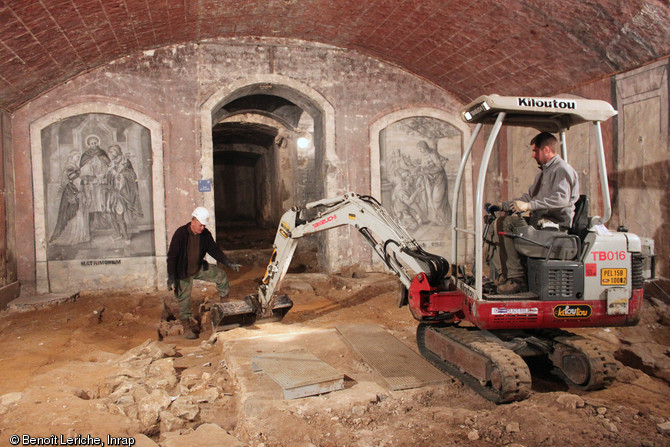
590, 276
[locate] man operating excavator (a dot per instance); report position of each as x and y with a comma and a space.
550, 199
185, 262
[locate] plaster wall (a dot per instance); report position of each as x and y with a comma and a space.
643, 159
173, 88
9, 286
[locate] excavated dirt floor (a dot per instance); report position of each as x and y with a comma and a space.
94, 368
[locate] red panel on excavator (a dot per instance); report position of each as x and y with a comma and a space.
428, 303
551, 314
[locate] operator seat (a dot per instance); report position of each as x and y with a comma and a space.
552, 243
580, 221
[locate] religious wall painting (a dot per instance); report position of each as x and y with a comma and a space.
98, 188
419, 159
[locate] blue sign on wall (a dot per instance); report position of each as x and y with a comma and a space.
204, 185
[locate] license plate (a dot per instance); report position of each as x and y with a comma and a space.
614, 277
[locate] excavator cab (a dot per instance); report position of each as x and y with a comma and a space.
555, 115
588, 262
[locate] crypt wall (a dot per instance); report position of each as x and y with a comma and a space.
359, 102
166, 95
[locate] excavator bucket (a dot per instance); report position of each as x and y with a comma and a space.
229, 315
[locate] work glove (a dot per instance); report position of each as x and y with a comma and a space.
170, 283
234, 266
519, 206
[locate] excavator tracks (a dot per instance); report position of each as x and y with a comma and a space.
490, 369
581, 361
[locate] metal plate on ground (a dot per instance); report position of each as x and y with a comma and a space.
400, 367
299, 373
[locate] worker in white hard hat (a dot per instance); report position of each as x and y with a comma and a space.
186, 262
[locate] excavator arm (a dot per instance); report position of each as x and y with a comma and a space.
393, 245
396, 248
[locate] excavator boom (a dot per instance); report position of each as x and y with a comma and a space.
396, 248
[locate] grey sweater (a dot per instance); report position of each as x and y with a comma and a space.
558, 192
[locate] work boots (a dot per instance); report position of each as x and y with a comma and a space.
188, 332
512, 286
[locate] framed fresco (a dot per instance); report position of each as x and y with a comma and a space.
99, 222
416, 156
98, 188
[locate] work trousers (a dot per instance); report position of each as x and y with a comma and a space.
504, 257
213, 274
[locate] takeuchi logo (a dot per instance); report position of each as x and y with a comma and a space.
324, 221
572, 311
550, 103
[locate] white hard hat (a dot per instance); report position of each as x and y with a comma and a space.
201, 214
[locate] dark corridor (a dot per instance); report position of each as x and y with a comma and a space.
239, 222
243, 168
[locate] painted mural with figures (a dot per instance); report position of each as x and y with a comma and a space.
419, 163
97, 177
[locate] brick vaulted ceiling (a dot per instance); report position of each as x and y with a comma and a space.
467, 47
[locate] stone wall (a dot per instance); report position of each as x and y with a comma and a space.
173, 91
5, 142
9, 286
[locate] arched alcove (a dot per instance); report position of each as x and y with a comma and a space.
404, 146
251, 130
86, 234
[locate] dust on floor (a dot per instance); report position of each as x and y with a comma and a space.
94, 368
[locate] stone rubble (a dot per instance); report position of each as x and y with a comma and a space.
149, 389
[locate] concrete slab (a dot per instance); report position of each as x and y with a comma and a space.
299, 373
240, 346
399, 366
33, 302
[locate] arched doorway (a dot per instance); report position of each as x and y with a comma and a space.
251, 130
264, 162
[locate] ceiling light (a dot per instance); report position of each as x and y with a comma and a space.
303, 143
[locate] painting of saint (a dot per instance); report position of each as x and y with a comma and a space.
433, 181
98, 186
72, 222
417, 177
123, 200
93, 165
